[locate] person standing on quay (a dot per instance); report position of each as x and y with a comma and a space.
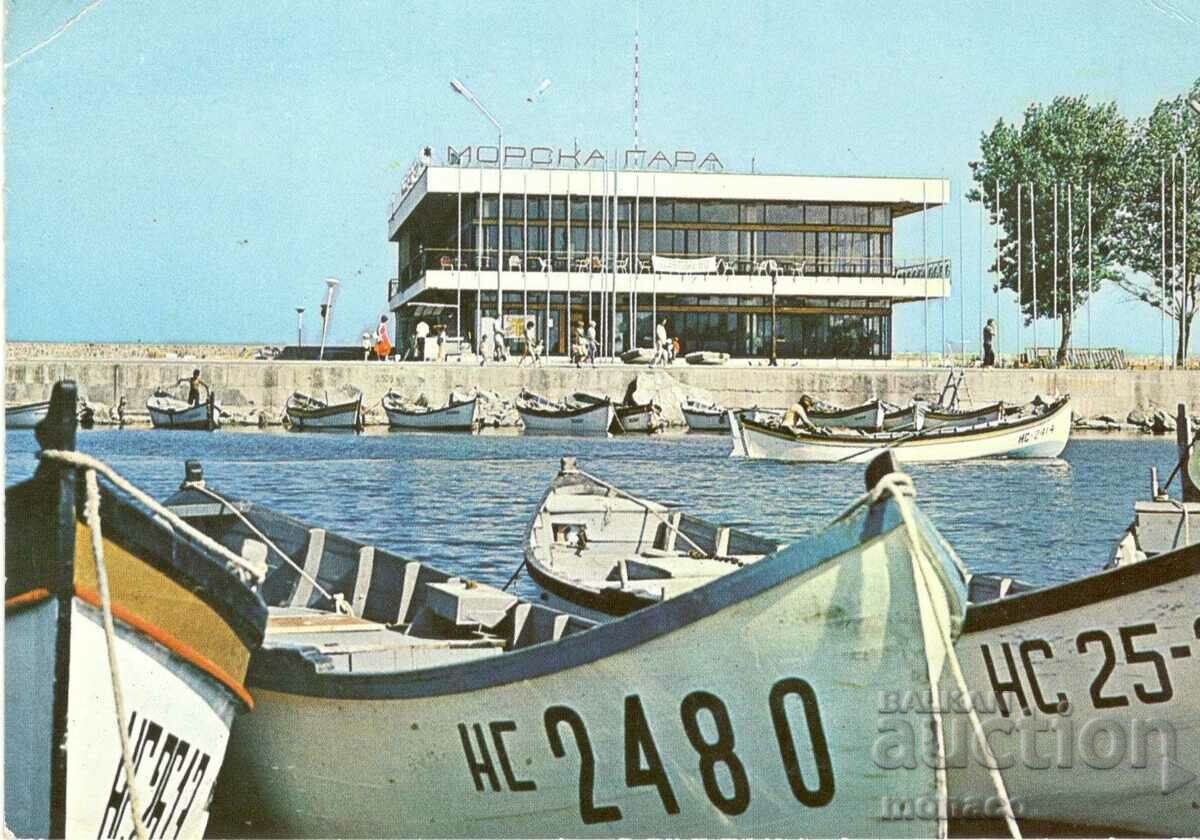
383, 344
989, 339
661, 343
591, 343
422, 334
367, 346
441, 342
533, 347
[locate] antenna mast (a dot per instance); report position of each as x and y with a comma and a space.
636, 70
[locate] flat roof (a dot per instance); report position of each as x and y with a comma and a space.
903, 194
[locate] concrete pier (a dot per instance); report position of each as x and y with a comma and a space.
266, 385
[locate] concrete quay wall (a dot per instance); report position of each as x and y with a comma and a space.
266, 385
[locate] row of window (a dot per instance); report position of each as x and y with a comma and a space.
541, 207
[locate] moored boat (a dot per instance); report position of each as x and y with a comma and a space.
305, 413
643, 419
481, 715
25, 416
910, 418
119, 618
868, 415
543, 416
638, 356
166, 412
701, 417
1042, 432
936, 418
706, 357
454, 416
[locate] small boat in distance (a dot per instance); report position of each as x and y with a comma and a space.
544, 416
868, 415
503, 717
25, 416
1040, 431
706, 357
455, 416
167, 412
908, 419
704, 417
309, 414
178, 615
640, 419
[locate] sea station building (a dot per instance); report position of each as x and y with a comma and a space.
720, 255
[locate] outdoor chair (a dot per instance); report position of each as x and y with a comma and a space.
514, 263
446, 264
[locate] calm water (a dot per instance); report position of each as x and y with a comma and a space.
462, 502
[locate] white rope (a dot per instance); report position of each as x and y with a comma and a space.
1182, 508
338, 599
87, 462
91, 515
902, 490
657, 514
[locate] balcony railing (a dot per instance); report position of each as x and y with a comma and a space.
780, 265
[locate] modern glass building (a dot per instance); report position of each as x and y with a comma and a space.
721, 256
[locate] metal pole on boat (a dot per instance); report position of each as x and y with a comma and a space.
326, 312
299, 326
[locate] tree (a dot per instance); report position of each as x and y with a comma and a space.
1151, 221
1072, 143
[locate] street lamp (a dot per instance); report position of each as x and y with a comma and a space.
461, 89
326, 312
299, 326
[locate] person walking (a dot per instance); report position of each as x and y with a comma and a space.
989, 340
533, 348
591, 343
500, 352
578, 344
383, 344
661, 343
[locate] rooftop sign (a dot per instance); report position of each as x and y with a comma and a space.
553, 157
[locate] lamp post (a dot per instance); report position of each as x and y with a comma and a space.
326, 311
774, 328
299, 326
461, 89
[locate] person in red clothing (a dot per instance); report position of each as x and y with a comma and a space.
383, 344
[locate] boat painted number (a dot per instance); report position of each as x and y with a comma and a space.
1134, 643
706, 723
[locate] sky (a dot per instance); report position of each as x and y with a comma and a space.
192, 171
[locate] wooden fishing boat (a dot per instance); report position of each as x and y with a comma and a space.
633, 552
173, 611
908, 419
542, 416
309, 414
166, 412
869, 415
1041, 433
638, 356
640, 419
454, 416
702, 417
936, 418
450, 708
706, 357
25, 416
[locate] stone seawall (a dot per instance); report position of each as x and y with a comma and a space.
265, 385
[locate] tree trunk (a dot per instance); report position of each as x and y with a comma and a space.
1061, 359
1185, 331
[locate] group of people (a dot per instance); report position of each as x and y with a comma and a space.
378, 346
665, 348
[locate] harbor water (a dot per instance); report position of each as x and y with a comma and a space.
462, 502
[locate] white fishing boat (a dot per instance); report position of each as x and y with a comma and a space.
908, 419
442, 707
309, 414
600, 552
702, 417
454, 416
25, 416
1090, 691
640, 419
706, 357
167, 412
542, 416
638, 356
868, 415
937, 418
118, 618
1042, 432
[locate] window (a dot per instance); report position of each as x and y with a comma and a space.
783, 243
489, 206
560, 208
752, 214
623, 208
718, 211
687, 211
514, 208
718, 242
579, 209
666, 210
785, 214
666, 243
646, 210
537, 207
850, 214
881, 215
816, 214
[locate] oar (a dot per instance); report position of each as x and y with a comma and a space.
891, 445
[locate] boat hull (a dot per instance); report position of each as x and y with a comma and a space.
705, 419
461, 417
641, 419
658, 724
706, 357
638, 356
868, 416
1090, 692
25, 416
343, 417
952, 419
1044, 436
201, 417
589, 420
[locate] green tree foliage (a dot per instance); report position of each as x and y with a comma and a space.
1152, 192
1069, 142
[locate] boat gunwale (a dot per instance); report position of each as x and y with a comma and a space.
428, 412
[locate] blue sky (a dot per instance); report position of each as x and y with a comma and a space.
190, 171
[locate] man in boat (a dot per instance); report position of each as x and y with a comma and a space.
796, 416
383, 344
989, 338
194, 382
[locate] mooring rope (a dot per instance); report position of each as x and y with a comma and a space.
902, 490
163, 514
338, 599
91, 515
